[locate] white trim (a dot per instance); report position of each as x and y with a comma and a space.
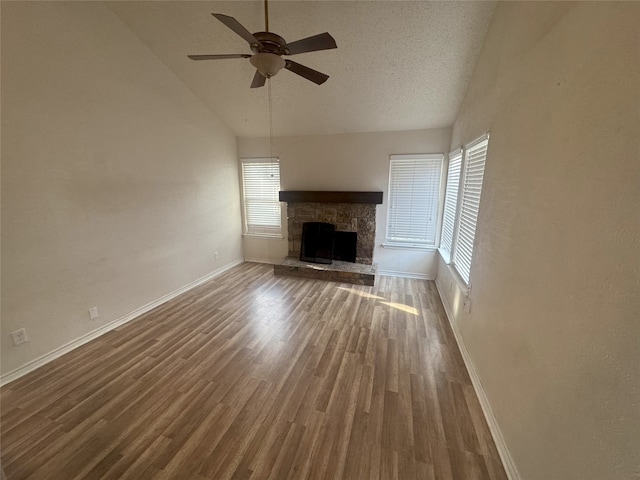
457, 151
474, 142
446, 256
275, 236
67, 347
507, 461
260, 160
408, 246
421, 156
393, 273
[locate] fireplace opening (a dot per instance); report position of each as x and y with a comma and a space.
344, 246
317, 242
321, 243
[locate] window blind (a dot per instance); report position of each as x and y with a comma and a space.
475, 156
451, 202
260, 187
414, 192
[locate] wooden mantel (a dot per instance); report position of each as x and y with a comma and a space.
322, 196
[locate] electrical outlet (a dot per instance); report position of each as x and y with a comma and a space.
19, 336
467, 304
93, 313
216, 255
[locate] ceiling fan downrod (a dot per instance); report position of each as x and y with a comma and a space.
266, 16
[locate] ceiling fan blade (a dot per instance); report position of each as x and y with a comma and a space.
306, 72
322, 41
235, 25
219, 57
258, 80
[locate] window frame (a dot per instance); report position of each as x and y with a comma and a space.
461, 261
395, 242
255, 230
450, 206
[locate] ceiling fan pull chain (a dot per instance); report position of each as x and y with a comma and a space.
270, 120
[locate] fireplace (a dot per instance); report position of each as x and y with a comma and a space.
353, 218
348, 211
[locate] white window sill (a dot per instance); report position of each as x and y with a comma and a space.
445, 256
455, 276
263, 235
409, 246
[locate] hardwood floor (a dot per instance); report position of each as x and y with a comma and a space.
256, 376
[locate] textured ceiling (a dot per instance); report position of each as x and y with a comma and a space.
398, 66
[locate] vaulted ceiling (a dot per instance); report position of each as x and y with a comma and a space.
398, 66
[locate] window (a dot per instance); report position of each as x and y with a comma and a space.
450, 203
462, 203
414, 194
260, 187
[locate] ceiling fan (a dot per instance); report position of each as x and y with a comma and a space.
268, 49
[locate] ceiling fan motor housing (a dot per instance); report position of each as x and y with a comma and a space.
271, 43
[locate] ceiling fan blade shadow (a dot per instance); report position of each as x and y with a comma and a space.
219, 57
258, 80
237, 27
322, 41
306, 72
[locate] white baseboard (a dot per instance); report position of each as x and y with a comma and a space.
496, 433
261, 260
393, 273
58, 352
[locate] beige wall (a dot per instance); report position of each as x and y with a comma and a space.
117, 184
554, 325
358, 162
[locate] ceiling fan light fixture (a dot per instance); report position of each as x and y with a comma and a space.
268, 64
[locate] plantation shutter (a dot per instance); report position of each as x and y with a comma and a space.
260, 187
451, 202
414, 192
475, 156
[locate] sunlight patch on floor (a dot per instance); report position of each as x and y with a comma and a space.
399, 306
403, 307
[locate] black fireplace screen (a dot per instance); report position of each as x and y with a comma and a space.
317, 242
321, 243
344, 246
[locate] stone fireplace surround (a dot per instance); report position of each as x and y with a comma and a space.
349, 212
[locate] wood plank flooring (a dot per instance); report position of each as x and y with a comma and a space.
252, 376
